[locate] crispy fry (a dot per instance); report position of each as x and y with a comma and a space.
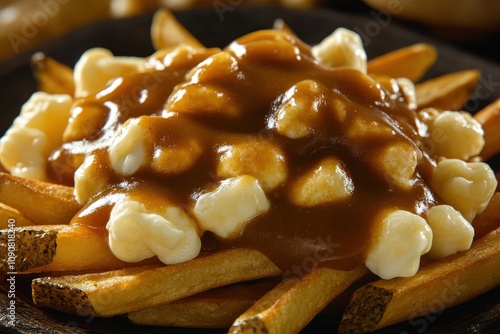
216, 308
27, 196
489, 219
289, 307
60, 248
52, 76
8, 213
411, 62
489, 117
167, 32
450, 281
449, 91
127, 290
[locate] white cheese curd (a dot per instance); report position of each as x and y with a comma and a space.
452, 233
401, 239
466, 186
136, 234
127, 152
342, 48
225, 210
97, 66
35, 133
261, 159
327, 182
460, 135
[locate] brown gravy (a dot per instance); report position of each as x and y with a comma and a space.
234, 97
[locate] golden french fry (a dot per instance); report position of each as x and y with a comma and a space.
9, 214
167, 32
489, 117
216, 308
449, 92
410, 62
489, 219
41, 202
52, 76
447, 282
127, 290
60, 248
292, 304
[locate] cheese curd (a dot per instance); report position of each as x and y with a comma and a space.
327, 182
461, 136
225, 210
89, 179
97, 66
342, 48
127, 152
398, 163
298, 114
136, 233
263, 160
467, 186
401, 239
451, 231
35, 133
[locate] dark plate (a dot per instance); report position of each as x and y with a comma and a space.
217, 28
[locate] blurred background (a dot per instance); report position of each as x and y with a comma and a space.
472, 25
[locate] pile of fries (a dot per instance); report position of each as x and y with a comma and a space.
236, 288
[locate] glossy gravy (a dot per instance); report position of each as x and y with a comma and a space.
234, 97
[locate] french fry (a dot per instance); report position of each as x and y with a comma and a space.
447, 282
167, 32
295, 302
27, 196
127, 290
449, 91
489, 117
59, 248
411, 62
216, 308
8, 213
52, 76
489, 219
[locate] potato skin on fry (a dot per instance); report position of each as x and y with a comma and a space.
46, 248
293, 303
34, 248
131, 289
386, 302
